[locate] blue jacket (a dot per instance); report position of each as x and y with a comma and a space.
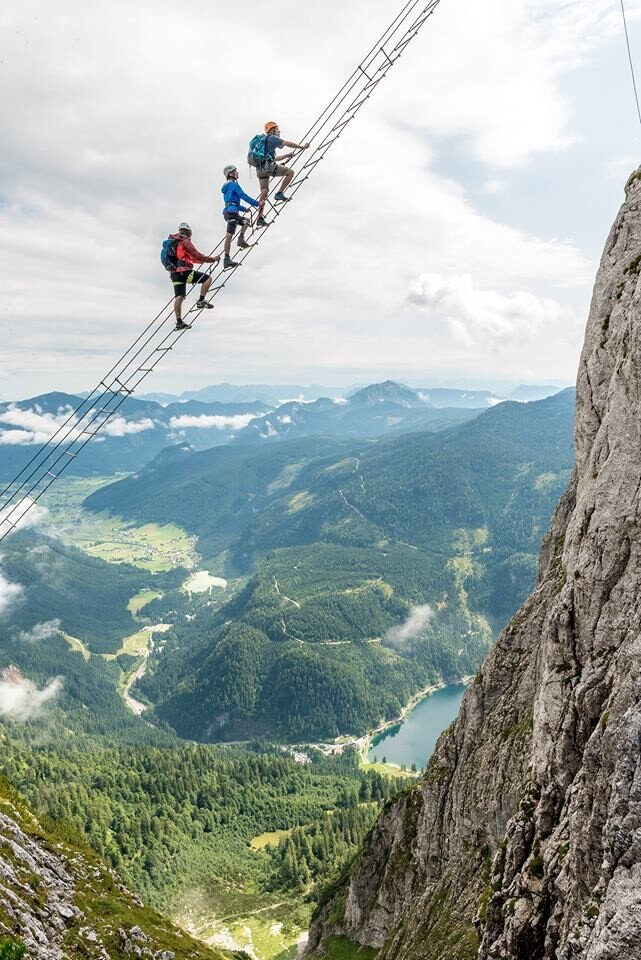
233, 194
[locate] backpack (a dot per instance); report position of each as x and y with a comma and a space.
257, 156
168, 255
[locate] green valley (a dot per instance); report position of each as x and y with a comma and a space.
292, 593
178, 824
343, 545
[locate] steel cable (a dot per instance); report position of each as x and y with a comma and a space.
82, 423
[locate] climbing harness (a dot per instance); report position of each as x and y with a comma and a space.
160, 336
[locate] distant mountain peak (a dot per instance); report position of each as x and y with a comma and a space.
388, 392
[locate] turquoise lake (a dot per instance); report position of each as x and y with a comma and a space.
413, 741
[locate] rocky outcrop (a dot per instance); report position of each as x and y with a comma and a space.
60, 902
524, 838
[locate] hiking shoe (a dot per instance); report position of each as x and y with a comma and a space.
228, 263
204, 305
281, 198
181, 325
242, 243
261, 222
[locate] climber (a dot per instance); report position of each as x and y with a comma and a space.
233, 194
179, 256
262, 155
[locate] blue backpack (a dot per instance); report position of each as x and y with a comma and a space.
258, 156
168, 256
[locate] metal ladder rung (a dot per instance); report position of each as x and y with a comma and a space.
354, 107
382, 70
357, 104
54, 475
400, 46
370, 86
327, 143
339, 126
121, 387
68, 453
311, 163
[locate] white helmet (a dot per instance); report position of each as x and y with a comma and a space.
184, 228
230, 168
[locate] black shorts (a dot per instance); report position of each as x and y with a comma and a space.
180, 279
234, 220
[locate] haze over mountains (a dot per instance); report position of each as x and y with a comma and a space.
143, 427
139, 431
277, 394
343, 540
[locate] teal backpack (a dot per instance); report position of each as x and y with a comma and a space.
257, 156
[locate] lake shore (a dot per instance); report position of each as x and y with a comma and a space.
363, 743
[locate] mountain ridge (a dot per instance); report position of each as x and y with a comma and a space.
522, 840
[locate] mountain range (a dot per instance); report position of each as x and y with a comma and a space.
277, 394
139, 431
143, 427
343, 541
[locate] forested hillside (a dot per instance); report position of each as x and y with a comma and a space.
63, 619
378, 410
59, 900
172, 822
213, 493
86, 595
344, 549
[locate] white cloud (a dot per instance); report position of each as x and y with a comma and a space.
418, 618
488, 82
20, 699
620, 168
207, 421
40, 631
497, 73
119, 427
484, 317
33, 426
494, 186
21, 514
9, 593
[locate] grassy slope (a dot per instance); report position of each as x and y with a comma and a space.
105, 904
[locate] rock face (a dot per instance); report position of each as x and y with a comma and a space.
58, 902
524, 838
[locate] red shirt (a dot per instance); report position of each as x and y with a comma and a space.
187, 253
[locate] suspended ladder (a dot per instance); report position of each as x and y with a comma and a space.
160, 337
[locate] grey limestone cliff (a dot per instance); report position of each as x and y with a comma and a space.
524, 838
59, 901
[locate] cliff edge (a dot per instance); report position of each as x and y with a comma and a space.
523, 840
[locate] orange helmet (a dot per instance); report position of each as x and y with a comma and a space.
270, 125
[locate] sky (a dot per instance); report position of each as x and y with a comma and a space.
451, 237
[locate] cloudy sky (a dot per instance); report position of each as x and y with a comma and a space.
451, 235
